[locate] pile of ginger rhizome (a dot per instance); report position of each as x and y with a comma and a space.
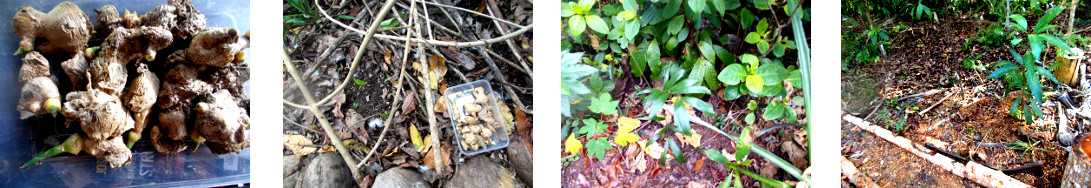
163, 70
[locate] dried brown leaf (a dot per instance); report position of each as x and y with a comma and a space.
299, 144
444, 155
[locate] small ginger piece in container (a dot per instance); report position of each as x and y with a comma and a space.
34, 65
99, 114
220, 119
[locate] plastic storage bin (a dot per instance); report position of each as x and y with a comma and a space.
25, 138
462, 94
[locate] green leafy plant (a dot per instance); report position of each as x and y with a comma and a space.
598, 147
1029, 73
591, 127
1025, 146
307, 13
581, 15
572, 89
675, 84
604, 104
921, 10
742, 149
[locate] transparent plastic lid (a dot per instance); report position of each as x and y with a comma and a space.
26, 138
462, 94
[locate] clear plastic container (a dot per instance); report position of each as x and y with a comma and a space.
25, 138
463, 94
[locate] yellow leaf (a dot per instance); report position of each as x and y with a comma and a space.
427, 144
355, 145
299, 144
654, 150
675, 101
571, 145
414, 136
693, 140
626, 126
624, 139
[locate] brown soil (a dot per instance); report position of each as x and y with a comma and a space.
973, 122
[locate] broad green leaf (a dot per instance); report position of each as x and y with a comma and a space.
752, 105
771, 74
773, 111
681, 120
655, 101
778, 49
596, 23
748, 59
631, 29
754, 83
719, 6
1044, 72
1019, 19
1034, 85
699, 105
625, 16
732, 92
762, 4
749, 119
598, 147
1048, 17
576, 25
732, 74
716, 156
706, 50
1036, 45
1056, 42
726, 57
743, 147
586, 4
698, 6
705, 71
763, 25
672, 8
676, 24
604, 104
753, 37
763, 46
638, 60
566, 10
1003, 71
732, 4
796, 78
629, 5
746, 18
653, 58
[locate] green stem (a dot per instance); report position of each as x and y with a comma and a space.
71, 145
764, 181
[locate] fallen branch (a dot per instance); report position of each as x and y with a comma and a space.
937, 104
978, 173
849, 171
921, 94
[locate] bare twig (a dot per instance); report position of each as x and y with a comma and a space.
363, 45
937, 104
859, 179
319, 115
494, 10
430, 42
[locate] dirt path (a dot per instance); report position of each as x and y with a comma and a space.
969, 116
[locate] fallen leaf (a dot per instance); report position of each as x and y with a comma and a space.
626, 126
438, 68
699, 164
522, 123
801, 137
571, 145
441, 106
427, 144
337, 102
694, 184
506, 112
299, 144
410, 102
386, 56
355, 145
444, 156
693, 140
638, 163
414, 136
653, 150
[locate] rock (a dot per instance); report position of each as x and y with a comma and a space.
327, 170
291, 164
292, 181
521, 161
479, 171
400, 177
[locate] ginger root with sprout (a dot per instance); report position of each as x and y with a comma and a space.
113, 150
478, 126
179, 87
140, 98
39, 97
216, 47
220, 119
164, 144
64, 30
101, 115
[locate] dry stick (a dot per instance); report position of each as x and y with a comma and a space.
374, 27
513, 65
433, 42
500, 76
494, 10
429, 102
854, 175
921, 94
937, 104
318, 114
972, 170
